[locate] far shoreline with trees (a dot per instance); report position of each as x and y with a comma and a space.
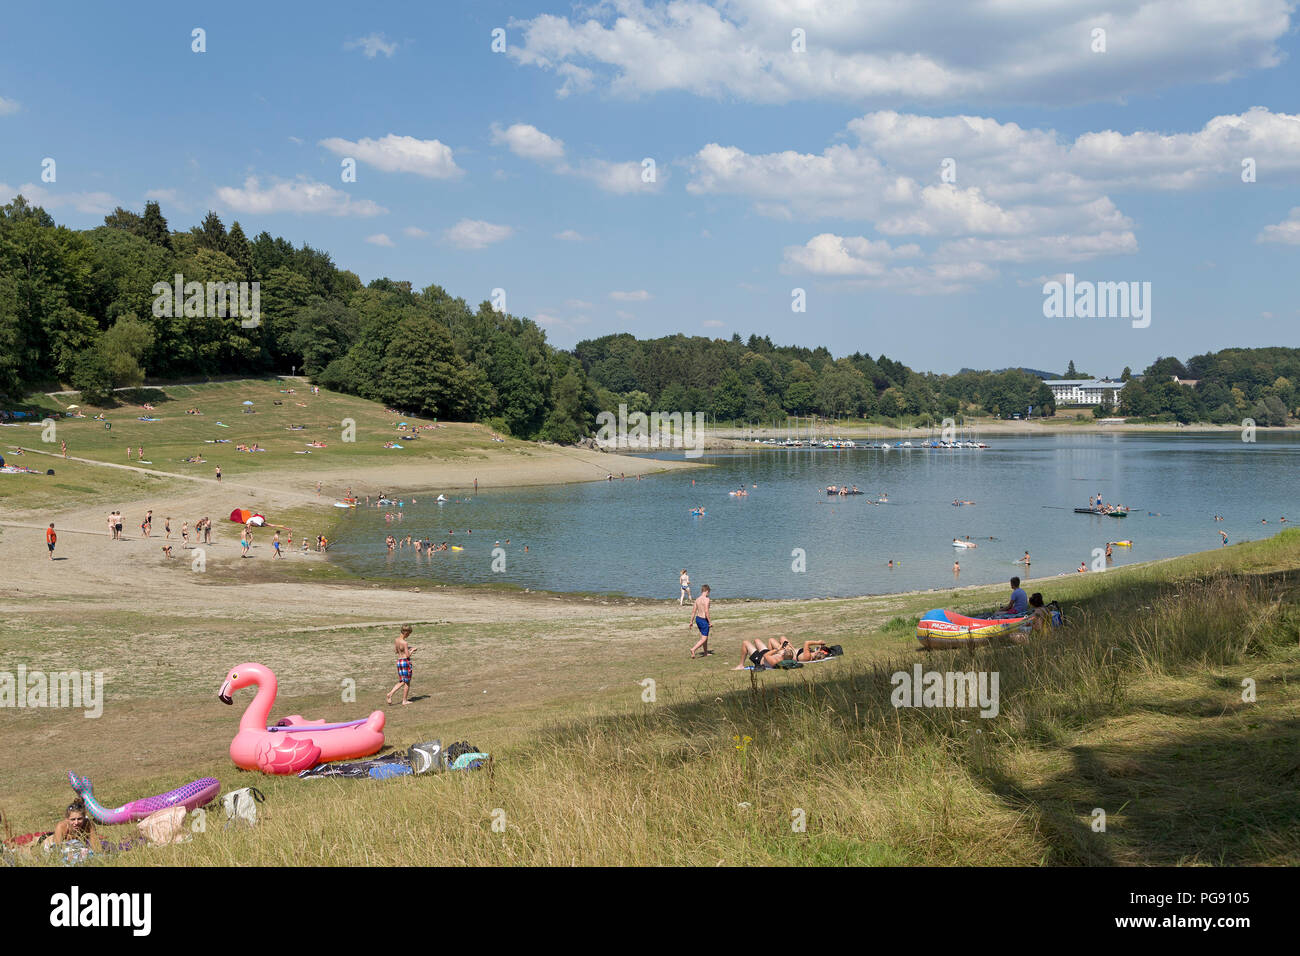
76, 309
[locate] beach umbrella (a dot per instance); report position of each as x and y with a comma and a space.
74, 406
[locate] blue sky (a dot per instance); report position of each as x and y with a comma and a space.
776, 169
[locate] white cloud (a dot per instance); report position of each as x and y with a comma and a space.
613, 177
714, 324
372, 45
415, 232
571, 235
90, 203
379, 239
874, 263
831, 255
400, 154
476, 234
1287, 231
578, 304
1010, 51
625, 316
297, 196
640, 295
529, 142
8, 106
1019, 194
296, 140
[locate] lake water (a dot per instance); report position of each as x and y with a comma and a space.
634, 537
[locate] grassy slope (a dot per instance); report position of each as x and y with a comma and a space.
1136, 709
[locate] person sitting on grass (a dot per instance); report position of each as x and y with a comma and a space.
1038, 621
1018, 606
75, 825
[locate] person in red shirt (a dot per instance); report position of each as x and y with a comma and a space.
50, 539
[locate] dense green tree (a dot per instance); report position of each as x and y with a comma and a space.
153, 227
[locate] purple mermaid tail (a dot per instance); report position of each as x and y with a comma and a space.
196, 793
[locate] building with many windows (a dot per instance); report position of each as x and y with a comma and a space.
1084, 392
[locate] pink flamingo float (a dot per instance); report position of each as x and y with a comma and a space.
294, 743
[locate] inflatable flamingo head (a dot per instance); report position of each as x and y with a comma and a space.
242, 676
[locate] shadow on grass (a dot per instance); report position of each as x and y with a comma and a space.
1219, 796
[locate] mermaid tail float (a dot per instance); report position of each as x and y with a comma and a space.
194, 794
294, 743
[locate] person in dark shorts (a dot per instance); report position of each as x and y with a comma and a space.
51, 539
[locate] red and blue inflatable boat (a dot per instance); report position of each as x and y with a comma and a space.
944, 628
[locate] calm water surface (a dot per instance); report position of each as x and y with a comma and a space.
634, 537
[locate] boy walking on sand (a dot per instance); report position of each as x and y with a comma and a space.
50, 539
404, 668
700, 618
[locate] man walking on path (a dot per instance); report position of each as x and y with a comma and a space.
50, 539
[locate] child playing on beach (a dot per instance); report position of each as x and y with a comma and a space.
700, 618
404, 666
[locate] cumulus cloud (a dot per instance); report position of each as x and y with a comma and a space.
372, 45
8, 106
528, 141
90, 203
296, 196
1012, 51
477, 234
1287, 231
571, 235
639, 295
379, 239
400, 154
986, 191
415, 232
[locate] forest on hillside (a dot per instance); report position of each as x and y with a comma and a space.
81, 309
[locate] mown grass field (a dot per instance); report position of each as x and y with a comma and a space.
178, 436
1136, 709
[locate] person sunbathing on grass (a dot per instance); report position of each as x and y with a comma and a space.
75, 825
762, 655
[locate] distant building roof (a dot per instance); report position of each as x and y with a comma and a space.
1083, 382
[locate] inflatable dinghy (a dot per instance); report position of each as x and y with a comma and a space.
944, 628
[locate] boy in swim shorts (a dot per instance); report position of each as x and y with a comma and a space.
700, 618
404, 666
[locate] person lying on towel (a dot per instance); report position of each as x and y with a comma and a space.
779, 649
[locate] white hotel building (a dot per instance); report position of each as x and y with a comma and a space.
1084, 392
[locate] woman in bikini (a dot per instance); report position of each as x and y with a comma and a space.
75, 825
762, 655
